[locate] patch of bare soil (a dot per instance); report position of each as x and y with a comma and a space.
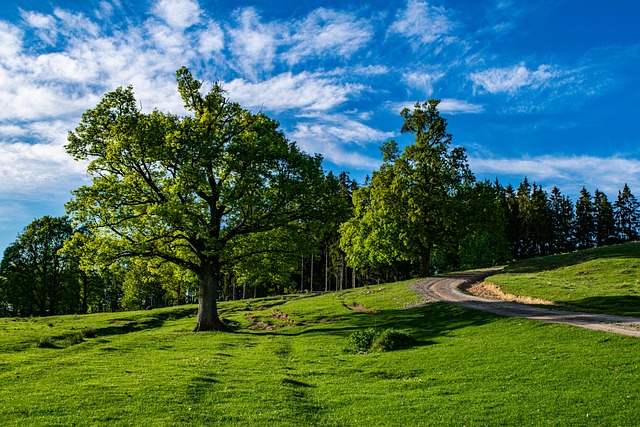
492, 291
259, 324
359, 307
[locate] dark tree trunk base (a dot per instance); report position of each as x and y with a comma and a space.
216, 327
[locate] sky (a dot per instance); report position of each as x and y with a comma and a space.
547, 89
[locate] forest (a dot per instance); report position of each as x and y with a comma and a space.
219, 205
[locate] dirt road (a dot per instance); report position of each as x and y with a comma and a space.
448, 289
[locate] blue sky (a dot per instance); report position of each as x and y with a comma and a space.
546, 89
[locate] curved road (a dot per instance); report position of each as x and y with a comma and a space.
447, 289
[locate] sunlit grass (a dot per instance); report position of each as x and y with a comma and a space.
603, 280
466, 368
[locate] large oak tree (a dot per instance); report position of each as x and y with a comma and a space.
199, 191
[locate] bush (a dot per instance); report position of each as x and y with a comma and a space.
392, 339
73, 339
361, 341
387, 340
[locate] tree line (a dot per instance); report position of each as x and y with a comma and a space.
220, 205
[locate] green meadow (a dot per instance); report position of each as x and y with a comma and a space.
286, 364
600, 280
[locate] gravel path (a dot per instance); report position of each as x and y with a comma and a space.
448, 289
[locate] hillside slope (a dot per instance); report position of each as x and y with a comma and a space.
602, 280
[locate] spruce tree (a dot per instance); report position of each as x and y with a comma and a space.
627, 215
605, 223
563, 222
585, 221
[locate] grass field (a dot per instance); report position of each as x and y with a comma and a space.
601, 280
466, 369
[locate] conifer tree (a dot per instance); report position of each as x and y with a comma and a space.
627, 215
605, 223
563, 222
585, 220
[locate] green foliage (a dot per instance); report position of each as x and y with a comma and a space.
392, 339
627, 215
195, 191
409, 209
384, 340
361, 341
586, 231
37, 278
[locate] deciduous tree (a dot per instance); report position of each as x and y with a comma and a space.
37, 278
411, 206
195, 190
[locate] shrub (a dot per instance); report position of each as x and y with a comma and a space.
393, 339
361, 341
73, 339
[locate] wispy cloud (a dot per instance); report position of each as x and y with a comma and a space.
422, 81
568, 173
340, 139
253, 44
179, 14
421, 23
446, 106
304, 91
512, 79
326, 32
39, 169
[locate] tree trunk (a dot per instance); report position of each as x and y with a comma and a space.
326, 271
425, 261
208, 319
311, 278
353, 277
85, 293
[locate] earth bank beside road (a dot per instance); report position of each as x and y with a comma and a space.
451, 289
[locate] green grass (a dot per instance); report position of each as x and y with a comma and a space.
603, 280
466, 369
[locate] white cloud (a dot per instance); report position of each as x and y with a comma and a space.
422, 80
457, 106
421, 23
304, 91
178, 14
10, 41
39, 169
325, 32
370, 70
253, 45
446, 106
512, 79
568, 173
340, 140
211, 40
75, 24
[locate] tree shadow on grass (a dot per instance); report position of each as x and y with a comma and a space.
536, 265
621, 305
424, 323
148, 320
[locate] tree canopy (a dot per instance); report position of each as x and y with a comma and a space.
203, 192
409, 208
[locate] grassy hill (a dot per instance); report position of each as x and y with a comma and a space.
601, 280
286, 366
